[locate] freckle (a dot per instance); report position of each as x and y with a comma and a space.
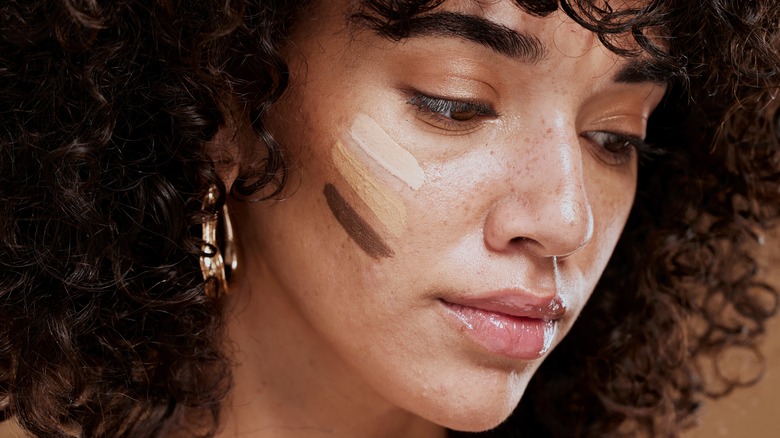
549, 130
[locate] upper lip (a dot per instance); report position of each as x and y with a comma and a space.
514, 302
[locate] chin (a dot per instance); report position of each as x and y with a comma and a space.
477, 423
480, 407
476, 418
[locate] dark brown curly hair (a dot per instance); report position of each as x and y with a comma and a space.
106, 111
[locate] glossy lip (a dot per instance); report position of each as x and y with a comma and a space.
510, 323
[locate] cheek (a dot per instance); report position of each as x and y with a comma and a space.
370, 191
611, 196
612, 208
618, 195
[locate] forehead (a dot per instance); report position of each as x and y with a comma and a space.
615, 17
521, 31
528, 30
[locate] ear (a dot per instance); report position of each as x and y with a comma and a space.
225, 149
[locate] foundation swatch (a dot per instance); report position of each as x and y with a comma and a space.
355, 226
386, 152
386, 205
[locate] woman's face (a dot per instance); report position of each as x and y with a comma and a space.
453, 199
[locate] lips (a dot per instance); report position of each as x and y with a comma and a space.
510, 323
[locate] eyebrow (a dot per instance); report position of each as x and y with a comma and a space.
519, 45
644, 70
500, 38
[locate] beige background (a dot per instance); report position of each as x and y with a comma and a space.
752, 412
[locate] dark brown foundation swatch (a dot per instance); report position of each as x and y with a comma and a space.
357, 228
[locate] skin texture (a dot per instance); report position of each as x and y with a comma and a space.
331, 340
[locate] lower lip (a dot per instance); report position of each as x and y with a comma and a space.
511, 336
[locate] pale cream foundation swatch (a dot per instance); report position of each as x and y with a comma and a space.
385, 204
378, 145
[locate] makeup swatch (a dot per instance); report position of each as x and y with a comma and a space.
378, 145
386, 205
355, 226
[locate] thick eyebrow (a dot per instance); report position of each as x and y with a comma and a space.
518, 45
480, 30
644, 70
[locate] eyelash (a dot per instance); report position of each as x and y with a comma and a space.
441, 111
615, 148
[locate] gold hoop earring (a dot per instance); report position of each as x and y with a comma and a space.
213, 260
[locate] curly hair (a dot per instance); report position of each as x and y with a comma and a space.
106, 113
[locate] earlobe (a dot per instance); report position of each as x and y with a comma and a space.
223, 149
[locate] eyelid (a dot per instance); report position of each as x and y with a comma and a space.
443, 113
639, 143
635, 140
440, 104
636, 145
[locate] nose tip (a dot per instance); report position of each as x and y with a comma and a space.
559, 234
548, 214
576, 217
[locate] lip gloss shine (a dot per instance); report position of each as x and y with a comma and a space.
517, 337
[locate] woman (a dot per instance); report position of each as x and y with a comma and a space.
423, 197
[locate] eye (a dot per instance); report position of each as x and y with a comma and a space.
614, 148
451, 114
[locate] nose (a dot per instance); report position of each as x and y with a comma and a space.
544, 207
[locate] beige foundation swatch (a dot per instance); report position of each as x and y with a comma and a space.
353, 223
384, 150
385, 205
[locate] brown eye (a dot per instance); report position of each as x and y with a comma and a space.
462, 116
451, 110
613, 148
619, 146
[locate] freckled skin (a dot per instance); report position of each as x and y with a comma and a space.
331, 341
